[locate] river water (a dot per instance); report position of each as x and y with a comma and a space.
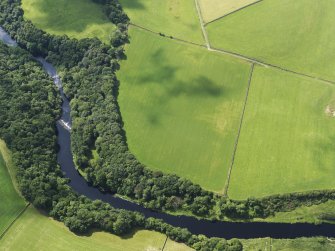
221, 229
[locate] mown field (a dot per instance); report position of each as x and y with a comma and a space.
295, 34
214, 9
34, 231
287, 138
176, 18
76, 18
181, 106
11, 203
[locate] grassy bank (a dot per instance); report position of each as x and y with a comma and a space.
306, 244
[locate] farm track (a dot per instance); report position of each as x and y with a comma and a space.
225, 193
202, 24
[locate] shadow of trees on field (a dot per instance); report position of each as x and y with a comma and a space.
68, 16
132, 4
163, 76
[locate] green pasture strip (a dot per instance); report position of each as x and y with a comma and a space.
76, 18
297, 35
176, 18
181, 106
11, 203
287, 137
34, 231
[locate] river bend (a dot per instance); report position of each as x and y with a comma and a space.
221, 229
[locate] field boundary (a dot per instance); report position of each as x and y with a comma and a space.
264, 64
166, 239
12, 223
166, 36
202, 24
225, 192
237, 55
233, 12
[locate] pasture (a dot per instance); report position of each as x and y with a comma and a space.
287, 137
181, 106
176, 18
297, 35
34, 231
214, 9
76, 18
11, 203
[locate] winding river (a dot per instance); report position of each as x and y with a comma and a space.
226, 230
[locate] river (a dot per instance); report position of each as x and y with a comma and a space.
227, 230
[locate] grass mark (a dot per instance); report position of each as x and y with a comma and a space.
225, 193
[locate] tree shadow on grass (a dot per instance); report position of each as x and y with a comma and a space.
69, 16
133, 4
170, 86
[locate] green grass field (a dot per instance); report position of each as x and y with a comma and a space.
295, 34
76, 18
299, 244
172, 17
213, 9
34, 231
287, 138
181, 106
11, 203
